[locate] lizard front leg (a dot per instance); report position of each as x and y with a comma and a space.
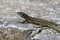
24, 21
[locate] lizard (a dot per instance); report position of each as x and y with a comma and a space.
40, 22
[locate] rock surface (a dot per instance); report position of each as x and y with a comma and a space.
45, 9
11, 34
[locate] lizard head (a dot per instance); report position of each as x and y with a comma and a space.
21, 13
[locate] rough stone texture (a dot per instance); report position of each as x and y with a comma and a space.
45, 9
11, 34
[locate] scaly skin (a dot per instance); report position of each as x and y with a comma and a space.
40, 22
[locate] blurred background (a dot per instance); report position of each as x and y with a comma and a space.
45, 9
